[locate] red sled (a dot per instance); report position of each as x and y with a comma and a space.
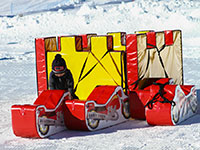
53, 112
182, 104
105, 106
162, 103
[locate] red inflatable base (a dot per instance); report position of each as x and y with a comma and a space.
43, 118
53, 112
24, 120
161, 103
156, 100
105, 106
184, 106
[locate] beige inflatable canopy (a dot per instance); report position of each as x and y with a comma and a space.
154, 55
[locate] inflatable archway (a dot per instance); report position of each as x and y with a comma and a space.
116, 76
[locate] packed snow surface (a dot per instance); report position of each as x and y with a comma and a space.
21, 21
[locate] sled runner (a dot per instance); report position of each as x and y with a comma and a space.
116, 76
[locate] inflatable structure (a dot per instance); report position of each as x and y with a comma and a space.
116, 76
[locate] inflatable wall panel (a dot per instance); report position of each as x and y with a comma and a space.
154, 55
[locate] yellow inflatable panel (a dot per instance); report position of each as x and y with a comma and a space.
103, 66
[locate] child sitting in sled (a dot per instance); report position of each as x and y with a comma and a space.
61, 77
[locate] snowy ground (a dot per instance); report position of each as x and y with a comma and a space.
18, 76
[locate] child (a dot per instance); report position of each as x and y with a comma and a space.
61, 77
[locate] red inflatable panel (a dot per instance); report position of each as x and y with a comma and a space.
165, 80
50, 98
186, 88
59, 44
41, 65
74, 113
151, 39
132, 63
137, 100
159, 115
101, 94
161, 112
24, 120
169, 38
84, 41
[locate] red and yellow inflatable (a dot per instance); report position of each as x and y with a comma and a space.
116, 76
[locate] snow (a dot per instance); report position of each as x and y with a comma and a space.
31, 19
